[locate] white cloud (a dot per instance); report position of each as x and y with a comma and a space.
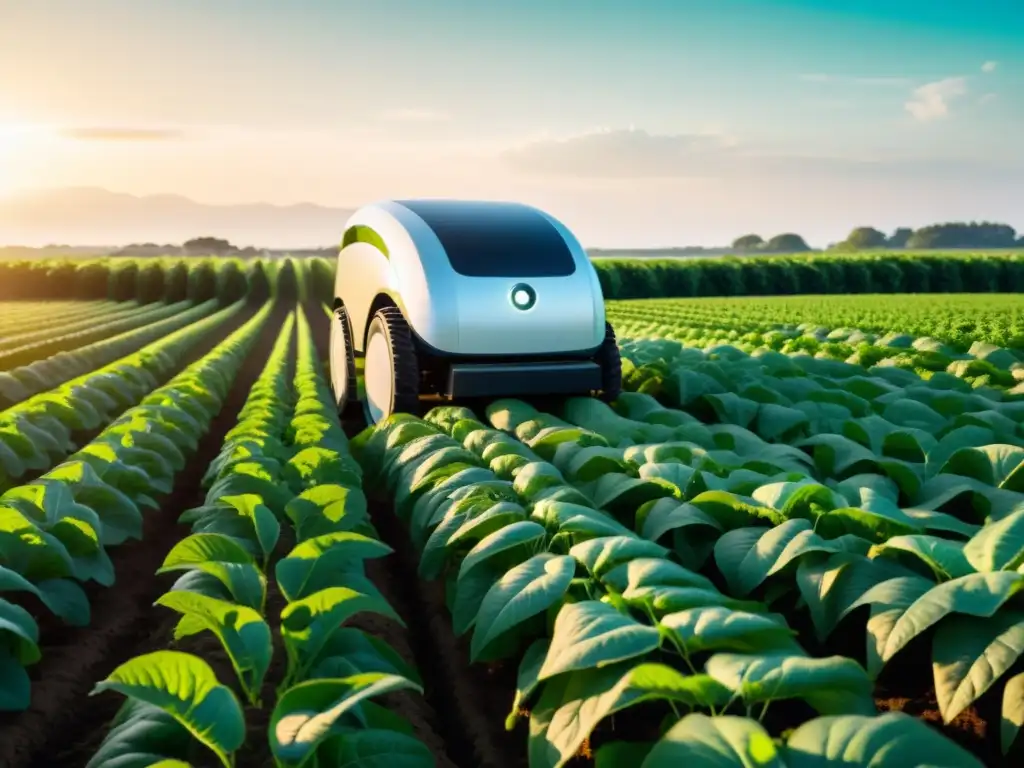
987, 98
989, 66
414, 116
931, 101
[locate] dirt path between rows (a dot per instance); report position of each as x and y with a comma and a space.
442, 736
64, 726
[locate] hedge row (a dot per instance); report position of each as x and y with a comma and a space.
142, 279
229, 279
952, 272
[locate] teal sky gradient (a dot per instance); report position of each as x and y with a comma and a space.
816, 116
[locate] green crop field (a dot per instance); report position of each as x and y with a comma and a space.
796, 539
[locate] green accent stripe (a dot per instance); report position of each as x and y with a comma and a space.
363, 234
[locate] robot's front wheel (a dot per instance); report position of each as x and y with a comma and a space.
343, 363
391, 372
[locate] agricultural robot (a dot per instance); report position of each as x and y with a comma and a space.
451, 299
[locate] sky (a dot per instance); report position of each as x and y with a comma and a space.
639, 123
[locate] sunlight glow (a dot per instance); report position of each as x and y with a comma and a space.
20, 144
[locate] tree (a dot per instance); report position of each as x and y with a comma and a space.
863, 238
748, 243
962, 235
787, 243
900, 237
208, 246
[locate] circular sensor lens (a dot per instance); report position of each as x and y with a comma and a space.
523, 296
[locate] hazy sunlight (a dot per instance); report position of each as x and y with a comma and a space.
18, 142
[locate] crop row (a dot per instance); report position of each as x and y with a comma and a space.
931, 444
557, 551
284, 479
57, 529
17, 316
32, 344
38, 431
989, 369
959, 320
20, 383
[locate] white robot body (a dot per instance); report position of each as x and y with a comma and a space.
498, 299
471, 314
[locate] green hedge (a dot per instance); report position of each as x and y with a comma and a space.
954, 272
139, 279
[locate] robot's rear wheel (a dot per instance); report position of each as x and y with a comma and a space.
343, 364
611, 366
391, 371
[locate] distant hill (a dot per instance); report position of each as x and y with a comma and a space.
98, 217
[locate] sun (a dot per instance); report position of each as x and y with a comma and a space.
17, 143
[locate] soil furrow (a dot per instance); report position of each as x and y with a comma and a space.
470, 701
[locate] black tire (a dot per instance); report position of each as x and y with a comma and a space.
405, 390
611, 366
341, 333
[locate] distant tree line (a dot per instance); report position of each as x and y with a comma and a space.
981, 235
951, 235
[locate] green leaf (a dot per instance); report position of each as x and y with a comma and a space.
186, 687
832, 685
222, 558
715, 742
65, 598
375, 748
567, 517
721, 629
325, 509
16, 691
242, 632
889, 601
265, 524
978, 594
359, 652
571, 707
602, 554
19, 633
970, 654
999, 545
644, 573
305, 713
30, 551
526, 678
593, 634
525, 591
307, 624
890, 740
945, 559
999, 465
662, 600
320, 562
1012, 717
486, 561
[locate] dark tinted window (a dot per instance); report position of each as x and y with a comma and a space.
496, 239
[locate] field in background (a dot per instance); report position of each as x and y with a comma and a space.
804, 512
